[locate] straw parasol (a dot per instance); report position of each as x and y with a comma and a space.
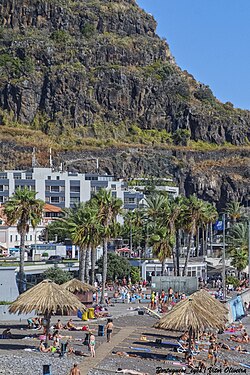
76, 285
46, 298
209, 303
189, 315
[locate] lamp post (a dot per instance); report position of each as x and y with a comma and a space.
249, 252
224, 258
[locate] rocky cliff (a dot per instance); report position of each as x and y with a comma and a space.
87, 77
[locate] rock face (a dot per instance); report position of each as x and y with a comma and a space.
84, 63
98, 69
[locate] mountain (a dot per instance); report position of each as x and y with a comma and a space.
91, 78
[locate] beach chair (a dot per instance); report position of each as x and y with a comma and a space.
181, 349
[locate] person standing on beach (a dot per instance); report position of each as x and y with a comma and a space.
92, 345
75, 370
109, 329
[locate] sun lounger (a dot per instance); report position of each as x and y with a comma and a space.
244, 365
181, 349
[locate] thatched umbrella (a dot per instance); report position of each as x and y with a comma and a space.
209, 303
77, 286
45, 298
189, 315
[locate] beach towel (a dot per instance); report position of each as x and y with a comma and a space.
141, 349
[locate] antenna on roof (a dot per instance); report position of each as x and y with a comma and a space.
33, 163
50, 159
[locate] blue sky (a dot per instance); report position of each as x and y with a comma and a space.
210, 39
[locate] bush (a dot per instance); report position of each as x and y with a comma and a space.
118, 267
233, 280
88, 30
181, 137
135, 274
204, 93
60, 36
57, 275
45, 255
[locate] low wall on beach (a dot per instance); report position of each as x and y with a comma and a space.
6, 316
236, 306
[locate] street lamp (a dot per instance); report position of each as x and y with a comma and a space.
224, 258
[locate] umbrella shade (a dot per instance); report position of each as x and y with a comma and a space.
45, 298
76, 285
209, 303
190, 315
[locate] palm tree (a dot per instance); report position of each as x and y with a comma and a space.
237, 240
23, 209
193, 214
162, 243
234, 211
74, 220
133, 227
108, 209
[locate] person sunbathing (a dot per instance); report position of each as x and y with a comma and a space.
240, 349
235, 338
42, 347
7, 334
245, 337
59, 325
190, 361
184, 337
130, 372
223, 345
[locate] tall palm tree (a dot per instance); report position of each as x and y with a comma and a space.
237, 240
193, 214
74, 220
23, 209
162, 243
108, 209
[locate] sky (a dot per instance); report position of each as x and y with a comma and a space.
210, 39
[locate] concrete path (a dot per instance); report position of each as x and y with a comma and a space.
105, 349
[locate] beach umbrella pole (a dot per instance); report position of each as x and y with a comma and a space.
47, 318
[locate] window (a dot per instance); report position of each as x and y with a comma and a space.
1, 188
62, 188
3, 199
129, 200
17, 176
28, 176
3, 176
26, 237
11, 238
47, 199
31, 237
49, 177
47, 188
55, 189
74, 200
54, 199
62, 199
16, 238
58, 177
75, 189
113, 187
114, 194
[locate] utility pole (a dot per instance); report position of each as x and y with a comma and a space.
224, 258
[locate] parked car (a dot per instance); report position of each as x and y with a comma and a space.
55, 259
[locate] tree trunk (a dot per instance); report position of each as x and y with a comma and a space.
174, 260
93, 261
21, 281
178, 247
82, 259
163, 267
87, 264
190, 238
104, 268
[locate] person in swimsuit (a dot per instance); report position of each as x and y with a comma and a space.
109, 329
75, 370
92, 345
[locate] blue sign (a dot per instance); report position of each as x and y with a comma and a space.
218, 225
